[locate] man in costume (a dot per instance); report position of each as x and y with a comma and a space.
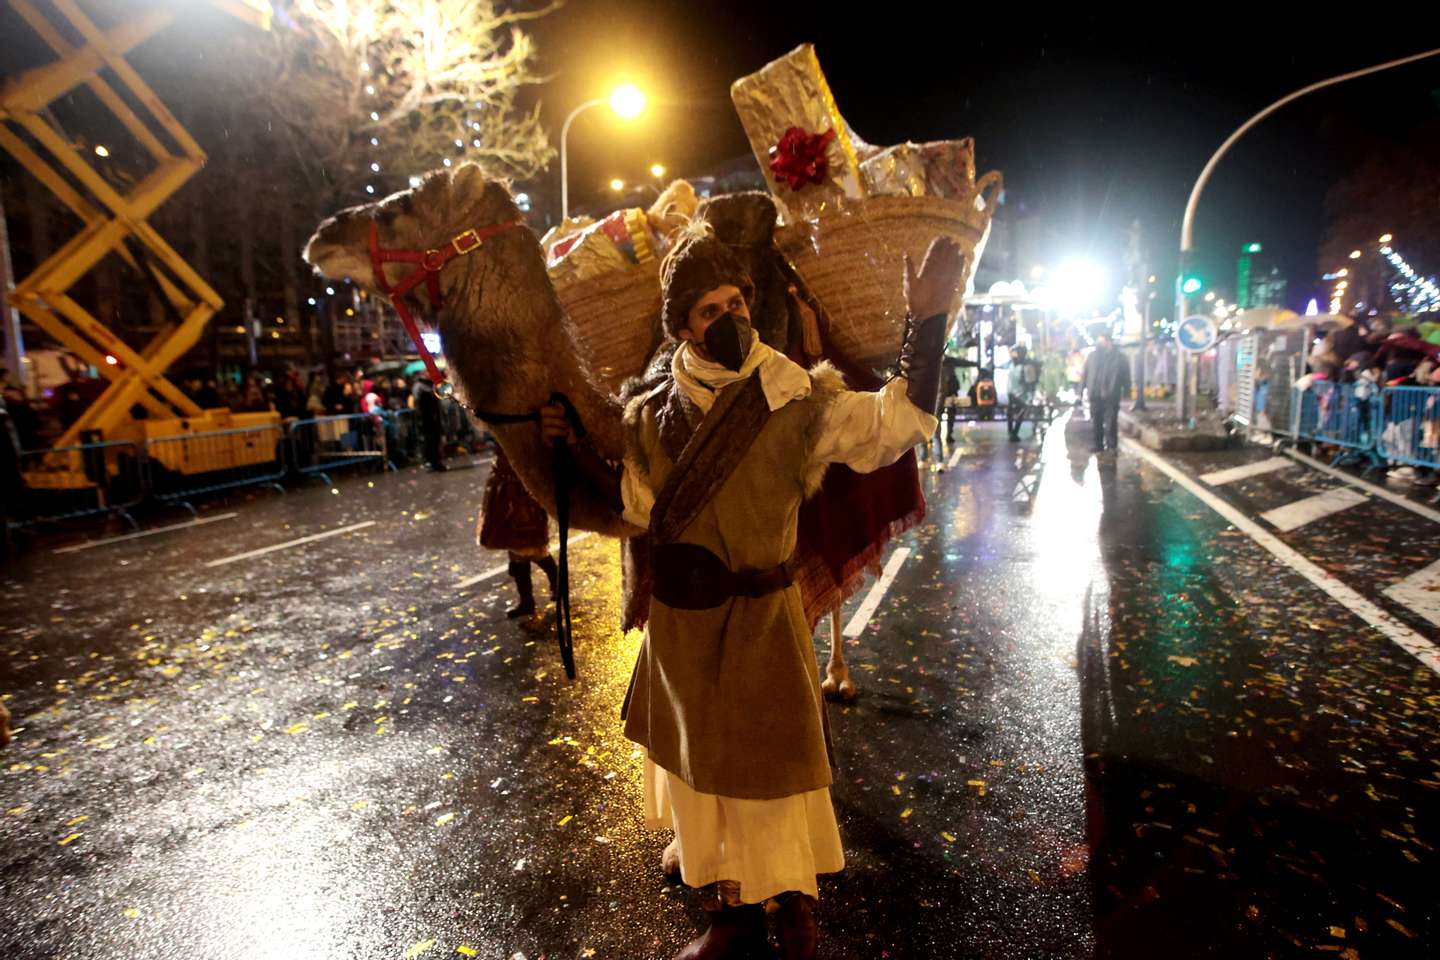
725, 697
512, 521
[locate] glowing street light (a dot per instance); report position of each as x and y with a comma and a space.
617, 184
626, 100
1386, 238
101, 150
657, 170
1354, 254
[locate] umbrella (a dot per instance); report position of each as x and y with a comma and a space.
386, 366
418, 366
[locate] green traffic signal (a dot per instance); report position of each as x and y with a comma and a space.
1191, 284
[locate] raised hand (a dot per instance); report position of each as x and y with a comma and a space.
933, 289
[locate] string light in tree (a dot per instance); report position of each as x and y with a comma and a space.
1416, 293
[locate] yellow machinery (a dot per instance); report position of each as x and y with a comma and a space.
115, 222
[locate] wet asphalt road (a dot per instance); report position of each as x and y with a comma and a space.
1095, 721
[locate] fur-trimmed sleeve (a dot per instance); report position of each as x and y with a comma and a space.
636, 491
863, 430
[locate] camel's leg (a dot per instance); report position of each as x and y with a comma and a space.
837, 683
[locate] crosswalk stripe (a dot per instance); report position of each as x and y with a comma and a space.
861, 619
1295, 515
1399, 633
1244, 472
290, 543
1420, 592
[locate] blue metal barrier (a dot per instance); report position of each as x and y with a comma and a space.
187, 465
85, 480
1343, 415
329, 443
1410, 429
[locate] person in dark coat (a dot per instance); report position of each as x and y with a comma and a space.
427, 404
1107, 381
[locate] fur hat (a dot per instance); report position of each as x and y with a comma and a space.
697, 264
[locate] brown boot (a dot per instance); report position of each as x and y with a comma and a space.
799, 935
547, 567
520, 572
734, 933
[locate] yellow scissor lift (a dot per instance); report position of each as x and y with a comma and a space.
115, 222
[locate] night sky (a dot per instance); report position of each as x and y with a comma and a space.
1094, 121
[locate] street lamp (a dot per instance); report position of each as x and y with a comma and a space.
1187, 224
626, 101
1386, 238
617, 184
657, 171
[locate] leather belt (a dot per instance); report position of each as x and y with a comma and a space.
689, 577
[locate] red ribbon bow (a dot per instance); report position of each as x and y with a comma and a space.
799, 157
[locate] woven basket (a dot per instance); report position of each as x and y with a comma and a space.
616, 315
853, 261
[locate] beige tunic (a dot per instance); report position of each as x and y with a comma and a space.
728, 699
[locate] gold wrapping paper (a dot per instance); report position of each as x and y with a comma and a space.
792, 92
943, 168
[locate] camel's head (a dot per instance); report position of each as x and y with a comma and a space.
447, 202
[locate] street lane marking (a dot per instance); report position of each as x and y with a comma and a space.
857, 623
1401, 635
76, 547
954, 458
1220, 477
496, 571
1295, 515
1399, 499
1420, 592
290, 543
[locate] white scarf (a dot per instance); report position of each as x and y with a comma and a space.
781, 378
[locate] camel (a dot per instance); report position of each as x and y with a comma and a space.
507, 339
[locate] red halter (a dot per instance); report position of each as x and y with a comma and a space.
428, 266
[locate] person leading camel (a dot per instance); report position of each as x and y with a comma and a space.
512, 521
725, 696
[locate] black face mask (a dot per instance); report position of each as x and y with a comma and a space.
728, 341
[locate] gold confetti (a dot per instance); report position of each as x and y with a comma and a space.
132, 913
905, 814
1338, 933
947, 837
1401, 927
444, 819
76, 821
530, 699
566, 819
466, 951
1183, 661
300, 727
359, 805
418, 948
976, 783
75, 836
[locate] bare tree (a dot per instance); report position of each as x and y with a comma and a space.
371, 92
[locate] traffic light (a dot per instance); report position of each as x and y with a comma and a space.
1192, 284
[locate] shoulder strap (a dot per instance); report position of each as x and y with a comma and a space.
711, 456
